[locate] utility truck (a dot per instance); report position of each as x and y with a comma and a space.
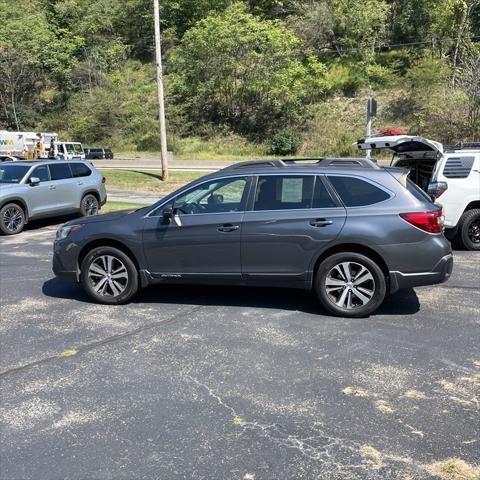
43, 145
450, 176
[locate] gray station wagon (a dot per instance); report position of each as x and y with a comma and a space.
39, 189
346, 229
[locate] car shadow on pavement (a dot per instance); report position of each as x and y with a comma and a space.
404, 302
48, 222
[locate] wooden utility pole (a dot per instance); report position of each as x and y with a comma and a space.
161, 105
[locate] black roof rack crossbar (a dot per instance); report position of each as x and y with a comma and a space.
321, 162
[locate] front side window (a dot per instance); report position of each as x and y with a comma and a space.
355, 192
12, 173
80, 170
275, 192
60, 171
217, 196
41, 173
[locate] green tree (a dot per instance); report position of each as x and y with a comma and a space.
244, 72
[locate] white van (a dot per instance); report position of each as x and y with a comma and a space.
451, 176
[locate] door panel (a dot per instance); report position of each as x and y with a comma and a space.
294, 218
203, 237
196, 247
285, 242
41, 198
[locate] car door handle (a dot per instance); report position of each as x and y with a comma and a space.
320, 222
228, 227
79, 183
52, 187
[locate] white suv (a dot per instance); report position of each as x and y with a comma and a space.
451, 176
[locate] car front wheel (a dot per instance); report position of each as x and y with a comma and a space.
12, 219
109, 276
349, 284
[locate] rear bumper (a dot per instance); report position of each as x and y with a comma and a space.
439, 274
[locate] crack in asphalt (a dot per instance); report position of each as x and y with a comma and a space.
100, 343
327, 446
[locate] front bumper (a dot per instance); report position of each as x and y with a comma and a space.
439, 274
64, 264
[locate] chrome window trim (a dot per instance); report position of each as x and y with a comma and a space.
262, 174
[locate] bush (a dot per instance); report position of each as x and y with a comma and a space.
286, 142
249, 74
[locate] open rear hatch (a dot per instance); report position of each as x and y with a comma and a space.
417, 154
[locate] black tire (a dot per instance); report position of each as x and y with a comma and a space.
468, 235
346, 300
113, 291
12, 219
89, 205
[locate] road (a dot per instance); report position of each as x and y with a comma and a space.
229, 383
144, 163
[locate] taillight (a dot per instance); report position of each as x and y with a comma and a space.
104, 180
431, 222
435, 189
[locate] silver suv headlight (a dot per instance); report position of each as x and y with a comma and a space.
65, 230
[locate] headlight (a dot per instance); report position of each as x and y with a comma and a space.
65, 230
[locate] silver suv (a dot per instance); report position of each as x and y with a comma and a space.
39, 189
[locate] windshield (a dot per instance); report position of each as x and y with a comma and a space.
74, 148
12, 173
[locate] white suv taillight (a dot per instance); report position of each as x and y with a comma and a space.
436, 189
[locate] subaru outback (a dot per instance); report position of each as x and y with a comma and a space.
346, 229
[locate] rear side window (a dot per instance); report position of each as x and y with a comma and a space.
60, 171
459, 167
355, 192
80, 170
284, 192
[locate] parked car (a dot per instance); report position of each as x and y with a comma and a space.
451, 176
37, 189
7, 158
346, 229
99, 153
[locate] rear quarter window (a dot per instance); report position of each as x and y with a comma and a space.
80, 170
356, 192
459, 167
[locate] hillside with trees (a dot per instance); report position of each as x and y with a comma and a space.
244, 78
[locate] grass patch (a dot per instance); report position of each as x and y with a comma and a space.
147, 181
454, 469
117, 206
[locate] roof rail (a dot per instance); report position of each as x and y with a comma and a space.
315, 161
464, 146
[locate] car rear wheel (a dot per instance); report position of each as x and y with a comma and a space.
349, 284
469, 230
109, 276
89, 205
12, 219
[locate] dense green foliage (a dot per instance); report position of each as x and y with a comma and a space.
252, 76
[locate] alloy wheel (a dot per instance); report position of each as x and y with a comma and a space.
350, 285
108, 276
474, 232
90, 206
12, 219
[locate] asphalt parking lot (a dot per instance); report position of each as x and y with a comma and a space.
229, 383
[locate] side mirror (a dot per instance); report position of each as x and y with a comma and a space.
168, 214
34, 181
